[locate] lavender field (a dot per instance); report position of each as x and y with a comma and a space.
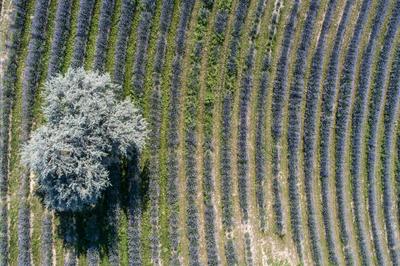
273, 131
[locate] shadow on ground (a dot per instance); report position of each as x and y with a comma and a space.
96, 228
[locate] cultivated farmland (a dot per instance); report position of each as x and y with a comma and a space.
272, 129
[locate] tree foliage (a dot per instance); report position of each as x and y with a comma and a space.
87, 129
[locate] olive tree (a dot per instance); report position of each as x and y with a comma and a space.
87, 129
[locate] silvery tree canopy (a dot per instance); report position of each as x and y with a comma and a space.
87, 129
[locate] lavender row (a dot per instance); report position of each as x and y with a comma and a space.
69, 233
173, 139
226, 180
155, 122
7, 88
234, 45
342, 120
29, 87
192, 211
295, 99
165, 23
32, 64
242, 154
246, 87
134, 210
378, 86
124, 29
106, 12
328, 99
278, 96
312, 96
112, 212
397, 179
92, 238
255, 27
216, 43
173, 201
228, 94
134, 213
261, 115
154, 195
245, 93
191, 114
390, 119
62, 26
260, 143
139, 72
84, 19
279, 85
358, 120
142, 43
47, 238
113, 222
209, 212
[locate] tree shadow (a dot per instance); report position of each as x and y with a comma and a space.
96, 229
